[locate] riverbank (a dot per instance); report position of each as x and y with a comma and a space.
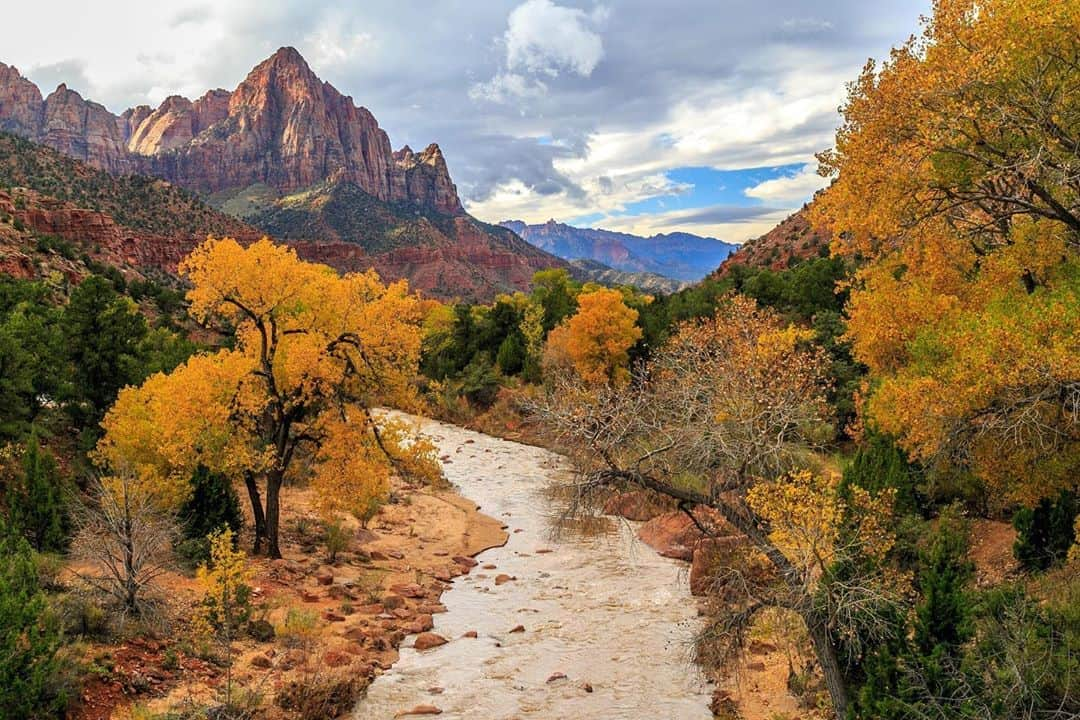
330, 627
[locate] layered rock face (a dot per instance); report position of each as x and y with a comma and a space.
64, 120
281, 126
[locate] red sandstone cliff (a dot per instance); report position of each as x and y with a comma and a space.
282, 126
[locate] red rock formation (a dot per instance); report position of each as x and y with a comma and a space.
20, 103
83, 130
793, 239
281, 111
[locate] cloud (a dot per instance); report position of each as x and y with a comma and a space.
506, 87
71, 72
790, 190
333, 45
806, 25
195, 15
728, 223
544, 108
543, 40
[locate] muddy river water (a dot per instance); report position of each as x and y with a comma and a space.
597, 607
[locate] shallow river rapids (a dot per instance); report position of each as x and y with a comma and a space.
600, 608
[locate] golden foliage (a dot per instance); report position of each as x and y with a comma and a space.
955, 177
595, 341
226, 586
809, 519
312, 350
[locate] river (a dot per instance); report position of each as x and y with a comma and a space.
600, 608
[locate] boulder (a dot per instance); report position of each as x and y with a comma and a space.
672, 535
634, 505
428, 640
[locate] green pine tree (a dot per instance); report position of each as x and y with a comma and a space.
29, 636
37, 502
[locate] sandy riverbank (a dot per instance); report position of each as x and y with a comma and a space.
348, 618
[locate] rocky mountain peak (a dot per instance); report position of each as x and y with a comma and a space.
282, 127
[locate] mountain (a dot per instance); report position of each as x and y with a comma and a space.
286, 154
143, 225
680, 256
586, 269
792, 240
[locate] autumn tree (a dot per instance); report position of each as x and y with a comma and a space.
226, 604
596, 340
311, 349
956, 182
722, 420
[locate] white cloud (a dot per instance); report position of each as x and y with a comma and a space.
807, 25
332, 44
543, 40
694, 221
789, 190
507, 86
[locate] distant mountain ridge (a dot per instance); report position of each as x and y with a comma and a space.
680, 256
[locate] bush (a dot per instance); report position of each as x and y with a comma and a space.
83, 617
299, 627
321, 697
1045, 533
479, 383
337, 540
880, 465
511, 355
212, 506
29, 636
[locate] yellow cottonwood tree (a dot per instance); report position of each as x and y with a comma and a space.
956, 179
596, 340
311, 348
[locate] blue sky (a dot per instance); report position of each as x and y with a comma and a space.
637, 115
721, 194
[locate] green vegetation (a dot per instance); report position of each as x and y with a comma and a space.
36, 502
1045, 532
29, 636
135, 201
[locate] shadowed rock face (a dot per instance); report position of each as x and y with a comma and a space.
282, 127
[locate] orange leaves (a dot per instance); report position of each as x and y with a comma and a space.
596, 340
955, 177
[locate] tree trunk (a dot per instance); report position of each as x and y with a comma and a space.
830, 666
256, 512
273, 489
